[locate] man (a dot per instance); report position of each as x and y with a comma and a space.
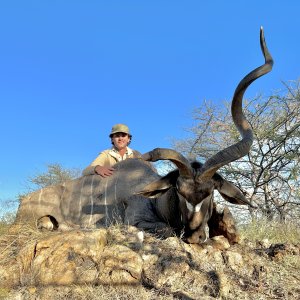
103, 165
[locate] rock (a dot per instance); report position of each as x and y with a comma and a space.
120, 265
63, 259
234, 260
265, 243
9, 274
74, 257
169, 268
224, 285
219, 242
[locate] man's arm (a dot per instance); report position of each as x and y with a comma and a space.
100, 166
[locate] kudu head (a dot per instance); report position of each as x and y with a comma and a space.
196, 182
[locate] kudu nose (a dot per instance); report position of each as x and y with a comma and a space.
197, 237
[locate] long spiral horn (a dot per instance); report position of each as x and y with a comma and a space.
242, 147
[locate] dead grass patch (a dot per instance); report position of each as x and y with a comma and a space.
274, 231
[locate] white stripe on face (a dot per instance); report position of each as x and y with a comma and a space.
195, 208
189, 206
198, 206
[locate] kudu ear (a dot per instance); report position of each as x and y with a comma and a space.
229, 191
159, 187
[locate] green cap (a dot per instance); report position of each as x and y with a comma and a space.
119, 128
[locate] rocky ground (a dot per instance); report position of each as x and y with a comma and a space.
122, 263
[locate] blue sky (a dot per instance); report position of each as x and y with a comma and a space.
71, 69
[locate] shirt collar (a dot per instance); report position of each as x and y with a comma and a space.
114, 152
128, 150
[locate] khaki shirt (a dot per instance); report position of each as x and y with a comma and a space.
108, 158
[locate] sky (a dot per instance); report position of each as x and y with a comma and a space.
71, 69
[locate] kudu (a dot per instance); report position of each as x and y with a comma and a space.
196, 182
183, 198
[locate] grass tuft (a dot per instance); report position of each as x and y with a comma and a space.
274, 231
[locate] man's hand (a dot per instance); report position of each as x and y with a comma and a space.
104, 171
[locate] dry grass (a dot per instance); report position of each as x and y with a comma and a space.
86, 293
274, 231
6, 220
3, 228
14, 237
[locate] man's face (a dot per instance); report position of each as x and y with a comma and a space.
120, 140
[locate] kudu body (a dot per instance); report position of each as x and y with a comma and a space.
183, 199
